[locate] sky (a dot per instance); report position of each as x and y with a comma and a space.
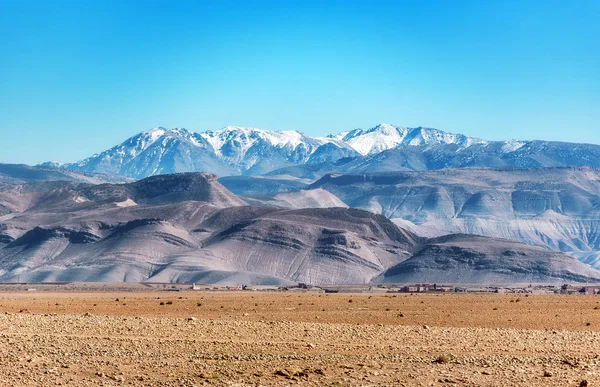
78, 77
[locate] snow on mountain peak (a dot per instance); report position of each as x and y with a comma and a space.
512, 145
155, 132
235, 141
246, 137
385, 128
385, 136
374, 140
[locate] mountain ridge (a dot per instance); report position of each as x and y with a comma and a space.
236, 150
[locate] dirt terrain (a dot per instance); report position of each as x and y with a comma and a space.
287, 338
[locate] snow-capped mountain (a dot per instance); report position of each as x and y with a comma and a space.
153, 152
229, 151
384, 137
255, 151
249, 151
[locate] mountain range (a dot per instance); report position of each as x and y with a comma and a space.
386, 204
253, 152
189, 228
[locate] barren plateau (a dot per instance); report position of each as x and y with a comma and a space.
287, 338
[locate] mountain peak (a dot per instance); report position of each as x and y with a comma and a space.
385, 136
144, 140
384, 127
246, 137
374, 140
160, 131
153, 133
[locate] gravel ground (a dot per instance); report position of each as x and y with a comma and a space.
249, 339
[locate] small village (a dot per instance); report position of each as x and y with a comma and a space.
416, 288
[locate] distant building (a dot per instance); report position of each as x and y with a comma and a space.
590, 290
414, 288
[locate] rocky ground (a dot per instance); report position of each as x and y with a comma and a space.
252, 338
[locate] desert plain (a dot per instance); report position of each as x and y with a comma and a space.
254, 338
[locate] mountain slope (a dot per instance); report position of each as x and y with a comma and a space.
319, 246
477, 260
182, 197
558, 208
166, 189
251, 185
21, 173
314, 198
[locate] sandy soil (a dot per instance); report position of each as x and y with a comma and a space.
256, 338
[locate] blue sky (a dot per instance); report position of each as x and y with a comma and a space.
77, 77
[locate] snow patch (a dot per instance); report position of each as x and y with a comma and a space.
80, 199
126, 203
512, 145
385, 136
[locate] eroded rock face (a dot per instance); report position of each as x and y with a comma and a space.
40, 235
553, 207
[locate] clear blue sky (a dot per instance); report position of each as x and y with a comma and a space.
77, 77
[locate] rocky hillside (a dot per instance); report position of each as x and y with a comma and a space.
189, 228
161, 189
557, 208
478, 260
